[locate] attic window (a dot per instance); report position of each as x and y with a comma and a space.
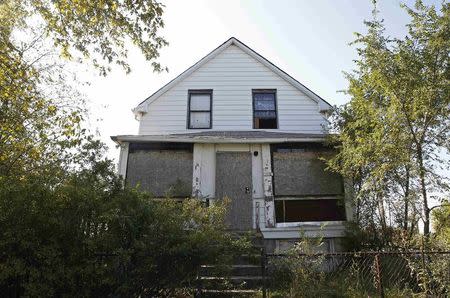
199, 105
264, 109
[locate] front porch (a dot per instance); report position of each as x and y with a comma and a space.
278, 185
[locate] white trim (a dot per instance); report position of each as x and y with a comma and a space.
123, 159
259, 221
143, 106
211, 139
197, 171
232, 148
316, 229
269, 204
257, 172
309, 223
204, 171
299, 198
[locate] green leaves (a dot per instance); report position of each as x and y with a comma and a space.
87, 235
399, 113
441, 222
99, 31
41, 112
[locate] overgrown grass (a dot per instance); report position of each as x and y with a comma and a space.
301, 272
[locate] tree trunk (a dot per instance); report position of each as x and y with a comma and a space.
356, 190
406, 211
382, 212
426, 210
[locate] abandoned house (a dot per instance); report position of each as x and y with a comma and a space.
235, 125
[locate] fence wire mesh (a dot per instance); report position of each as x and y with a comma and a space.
385, 274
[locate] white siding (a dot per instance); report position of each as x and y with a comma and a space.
232, 75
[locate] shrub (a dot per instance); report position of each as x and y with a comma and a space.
84, 234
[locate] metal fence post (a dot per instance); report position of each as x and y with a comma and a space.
198, 291
263, 272
424, 268
378, 276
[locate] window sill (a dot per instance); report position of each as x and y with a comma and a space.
326, 229
319, 224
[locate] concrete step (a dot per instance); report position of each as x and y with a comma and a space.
256, 239
248, 259
258, 242
242, 278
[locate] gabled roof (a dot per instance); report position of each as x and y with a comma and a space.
323, 104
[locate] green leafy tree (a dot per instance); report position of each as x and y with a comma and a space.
41, 112
97, 31
441, 223
393, 134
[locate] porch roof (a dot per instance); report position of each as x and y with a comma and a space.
225, 137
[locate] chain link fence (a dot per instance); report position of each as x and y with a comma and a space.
382, 274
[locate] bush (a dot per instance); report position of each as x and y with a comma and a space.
299, 270
84, 234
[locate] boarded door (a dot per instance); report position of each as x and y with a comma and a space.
234, 180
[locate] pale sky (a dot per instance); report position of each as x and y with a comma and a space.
307, 39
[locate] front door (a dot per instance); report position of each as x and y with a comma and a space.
234, 180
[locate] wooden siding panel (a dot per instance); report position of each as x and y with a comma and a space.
232, 75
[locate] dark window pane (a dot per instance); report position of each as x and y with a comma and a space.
309, 210
279, 211
265, 101
265, 123
264, 105
265, 114
264, 110
265, 96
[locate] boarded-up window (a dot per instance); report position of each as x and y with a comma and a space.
298, 171
161, 169
302, 210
